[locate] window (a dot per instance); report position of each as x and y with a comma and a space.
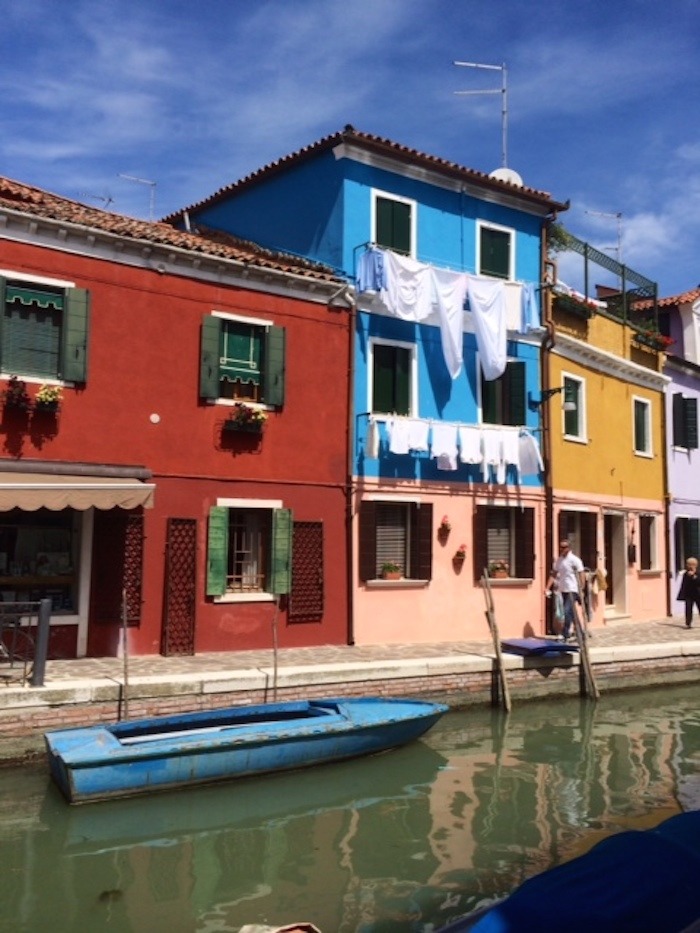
504, 533
574, 410
393, 377
242, 359
495, 246
43, 329
685, 421
249, 549
581, 530
647, 542
687, 540
394, 222
396, 531
503, 399
642, 426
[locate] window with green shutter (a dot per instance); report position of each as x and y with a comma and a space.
393, 224
495, 252
43, 330
249, 551
391, 379
242, 360
685, 421
503, 399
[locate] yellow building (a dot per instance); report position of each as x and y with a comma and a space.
604, 439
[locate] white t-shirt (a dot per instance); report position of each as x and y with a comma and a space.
566, 569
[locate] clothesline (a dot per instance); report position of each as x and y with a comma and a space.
384, 416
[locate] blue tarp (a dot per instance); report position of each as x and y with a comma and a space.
533, 646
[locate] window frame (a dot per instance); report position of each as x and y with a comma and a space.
579, 397
511, 388
412, 375
521, 540
274, 360
484, 225
647, 450
378, 194
419, 539
279, 550
72, 353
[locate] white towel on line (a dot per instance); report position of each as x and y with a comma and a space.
444, 446
470, 450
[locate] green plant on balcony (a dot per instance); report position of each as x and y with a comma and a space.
581, 307
654, 339
16, 395
48, 398
244, 417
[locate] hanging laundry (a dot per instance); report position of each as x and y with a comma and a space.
370, 271
408, 287
530, 457
510, 450
398, 435
372, 442
530, 315
450, 293
491, 441
470, 450
444, 446
418, 430
488, 307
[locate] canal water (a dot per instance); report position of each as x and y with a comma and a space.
398, 843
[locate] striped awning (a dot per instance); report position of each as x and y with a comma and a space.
32, 491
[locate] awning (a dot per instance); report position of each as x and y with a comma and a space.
32, 491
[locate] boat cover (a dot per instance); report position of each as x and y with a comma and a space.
632, 882
534, 646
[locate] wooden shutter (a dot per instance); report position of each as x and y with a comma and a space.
693, 538
74, 356
281, 572
678, 420
217, 551
525, 543
393, 224
514, 392
274, 364
589, 545
495, 252
307, 593
367, 558
422, 541
209, 357
690, 423
480, 548
391, 373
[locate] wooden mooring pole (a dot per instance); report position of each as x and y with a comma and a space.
501, 682
589, 687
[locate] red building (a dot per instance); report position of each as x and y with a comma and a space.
191, 479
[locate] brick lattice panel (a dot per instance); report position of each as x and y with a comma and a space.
306, 598
180, 584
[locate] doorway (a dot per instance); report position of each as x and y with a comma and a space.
614, 551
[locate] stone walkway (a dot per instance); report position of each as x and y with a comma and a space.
627, 633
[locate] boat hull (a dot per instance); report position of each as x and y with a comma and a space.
148, 755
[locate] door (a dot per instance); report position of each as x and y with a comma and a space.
615, 564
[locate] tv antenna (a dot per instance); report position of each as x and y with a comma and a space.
502, 90
106, 199
612, 216
152, 185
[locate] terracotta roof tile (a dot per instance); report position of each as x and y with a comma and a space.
380, 145
36, 202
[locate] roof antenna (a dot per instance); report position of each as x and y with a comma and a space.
502, 90
106, 199
145, 181
618, 217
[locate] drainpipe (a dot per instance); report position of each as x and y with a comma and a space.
545, 349
349, 488
667, 507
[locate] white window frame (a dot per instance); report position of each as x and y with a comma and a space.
413, 388
388, 196
649, 450
488, 225
267, 505
582, 436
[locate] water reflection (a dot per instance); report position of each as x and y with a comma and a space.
400, 842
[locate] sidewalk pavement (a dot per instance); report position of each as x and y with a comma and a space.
670, 632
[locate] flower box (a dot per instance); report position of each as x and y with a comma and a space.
573, 306
247, 427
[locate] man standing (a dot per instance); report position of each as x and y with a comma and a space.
568, 575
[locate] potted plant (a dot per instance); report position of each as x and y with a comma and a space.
390, 570
499, 569
48, 398
16, 395
461, 553
444, 528
244, 417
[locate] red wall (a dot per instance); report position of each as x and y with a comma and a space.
144, 351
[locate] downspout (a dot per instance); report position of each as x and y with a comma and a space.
349, 488
667, 507
545, 348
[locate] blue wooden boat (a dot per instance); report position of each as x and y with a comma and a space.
147, 755
632, 882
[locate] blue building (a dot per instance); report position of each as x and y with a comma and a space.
444, 266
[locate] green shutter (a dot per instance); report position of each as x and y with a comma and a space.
209, 357
678, 420
690, 411
514, 388
495, 252
3, 282
76, 314
393, 223
391, 379
217, 551
281, 563
693, 538
273, 386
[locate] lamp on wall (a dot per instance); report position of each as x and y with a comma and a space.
569, 400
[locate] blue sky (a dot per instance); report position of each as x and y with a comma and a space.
603, 101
